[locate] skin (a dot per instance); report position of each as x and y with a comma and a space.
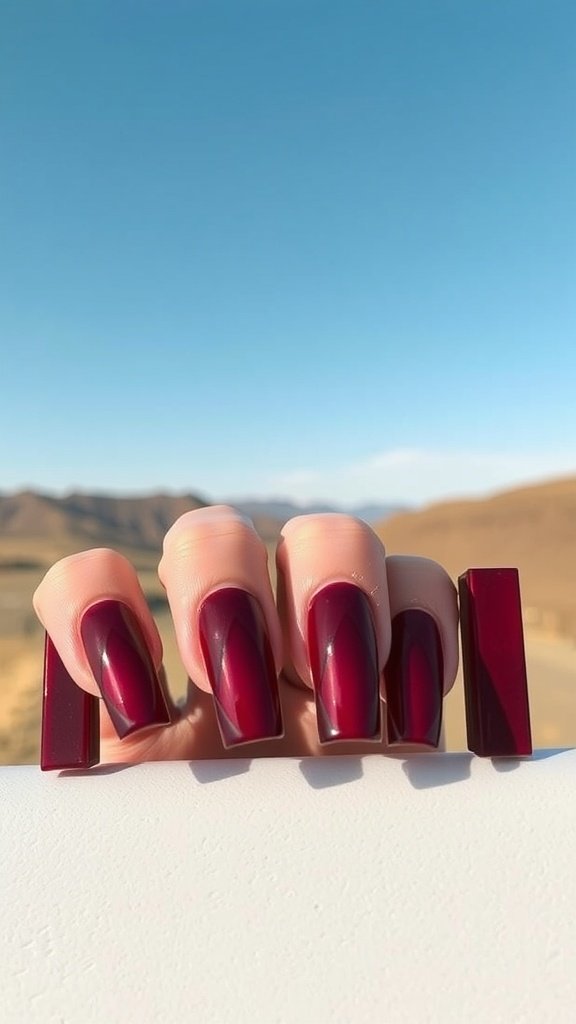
215, 547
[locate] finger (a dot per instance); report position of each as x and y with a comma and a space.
424, 654
333, 602
95, 613
214, 570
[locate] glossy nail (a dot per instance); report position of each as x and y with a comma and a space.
123, 668
344, 664
494, 663
70, 718
414, 679
240, 666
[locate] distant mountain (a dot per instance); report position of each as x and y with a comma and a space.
94, 519
100, 520
530, 528
283, 510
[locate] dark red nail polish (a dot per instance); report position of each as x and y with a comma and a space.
494, 663
344, 664
122, 666
414, 678
70, 718
240, 666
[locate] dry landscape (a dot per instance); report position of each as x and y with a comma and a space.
532, 528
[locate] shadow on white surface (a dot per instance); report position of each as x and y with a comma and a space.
218, 770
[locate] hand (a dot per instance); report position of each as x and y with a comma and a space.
349, 626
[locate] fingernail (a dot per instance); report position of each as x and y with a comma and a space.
494, 663
344, 664
70, 718
123, 668
414, 680
240, 666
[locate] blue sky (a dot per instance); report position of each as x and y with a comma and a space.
287, 247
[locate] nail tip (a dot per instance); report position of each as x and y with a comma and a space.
496, 751
51, 763
347, 736
63, 766
232, 735
413, 741
404, 736
135, 727
231, 744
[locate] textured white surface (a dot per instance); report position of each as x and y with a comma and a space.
441, 888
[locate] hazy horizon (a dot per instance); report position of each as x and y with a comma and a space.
279, 497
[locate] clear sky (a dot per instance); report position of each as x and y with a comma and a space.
310, 248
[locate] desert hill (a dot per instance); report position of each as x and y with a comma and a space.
533, 528
46, 524
92, 519
36, 528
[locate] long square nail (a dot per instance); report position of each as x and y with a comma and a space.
122, 666
344, 664
494, 663
240, 665
70, 718
414, 677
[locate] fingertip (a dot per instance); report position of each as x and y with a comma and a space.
74, 585
334, 607
423, 583
324, 548
214, 568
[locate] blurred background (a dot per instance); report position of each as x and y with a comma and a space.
290, 254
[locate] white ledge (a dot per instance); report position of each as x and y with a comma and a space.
438, 888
